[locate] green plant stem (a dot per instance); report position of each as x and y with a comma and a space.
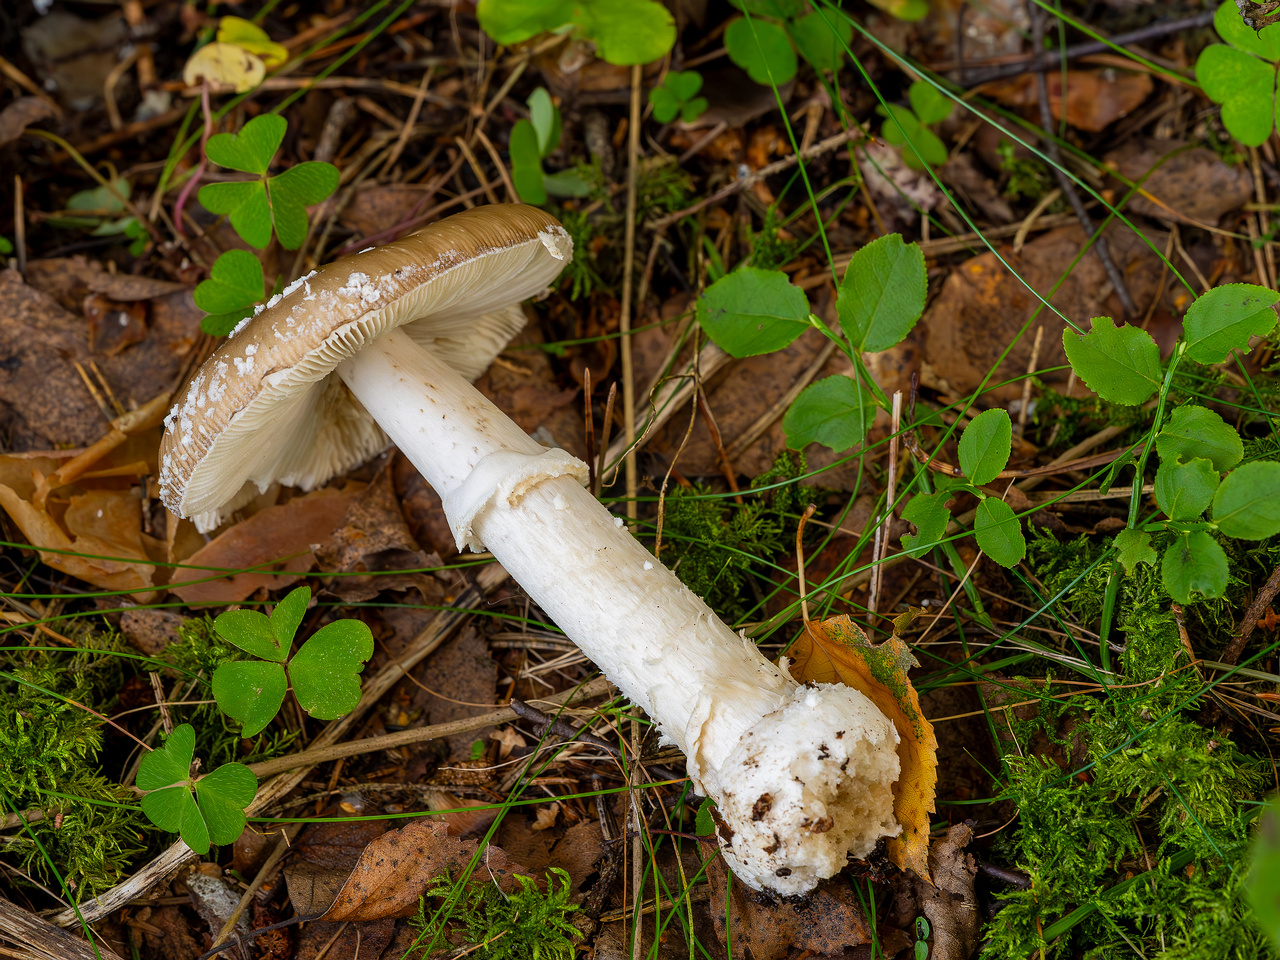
958, 566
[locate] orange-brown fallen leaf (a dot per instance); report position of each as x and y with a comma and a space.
1095, 98
838, 651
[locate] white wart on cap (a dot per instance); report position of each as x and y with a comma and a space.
267, 407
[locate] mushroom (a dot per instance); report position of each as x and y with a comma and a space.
383, 345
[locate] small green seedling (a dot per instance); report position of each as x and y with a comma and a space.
325, 672
764, 43
531, 141
254, 206
908, 128
921, 950
625, 32
203, 810
101, 211
677, 96
752, 311
1241, 75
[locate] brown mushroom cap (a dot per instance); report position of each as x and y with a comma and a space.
267, 406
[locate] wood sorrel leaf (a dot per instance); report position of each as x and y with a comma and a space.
250, 150
222, 797
251, 692
927, 103
999, 532
1247, 504
292, 191
251, 631
1134, 547
287, 617
753, 311
1225, 318
545, 119
626, 32
1119, 364
761, 48
245, 202
1194, 562
822, 37
929, 513
1199, 432
883, 293
526, 163
836, 412
1185, 490
1245, 86
985, 446
326, 671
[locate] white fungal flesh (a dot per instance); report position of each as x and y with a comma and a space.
802, 775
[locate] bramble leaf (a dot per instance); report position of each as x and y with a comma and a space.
836, 412
326, 671
929, 513
1119, 364
837, 650
1247, 504
1134, 547
762, 48
1199, 432
999, 532
753, 311
1185, 490
250, 150
1225, 318
822, 37
883, 293
985, 446
1194, 562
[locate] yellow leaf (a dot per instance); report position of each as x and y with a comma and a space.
225, 65
838, 651
249, 36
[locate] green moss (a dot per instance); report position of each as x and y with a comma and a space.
50, 752
525, 924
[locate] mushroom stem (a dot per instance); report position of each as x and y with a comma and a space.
801, 775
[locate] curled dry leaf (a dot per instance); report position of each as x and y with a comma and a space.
1095, 99
839, 651
225, 65
395, 870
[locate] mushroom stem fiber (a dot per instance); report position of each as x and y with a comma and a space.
802, 775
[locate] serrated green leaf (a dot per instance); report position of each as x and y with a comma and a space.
292, 191
999, 532
526, 163
250, 150
1225, 318
1199, 432
836, 412
761, 48
753, 311
545, 119
1134, 547
251, 632
245, 202
287, 616
1119, 364
985, 446
929, 513
1247, 504
222, 797
511, 21
927, 103
883, 293
1185, 490
822, 37
1194, 562
326, 671
250, 692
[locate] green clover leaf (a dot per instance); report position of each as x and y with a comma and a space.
326, 671
245, 203
291, 192
526, 162
678, 96
235, 284
204, 811
625, 32
763, 49
250, 150
902, 128
1241, 76
822, 37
